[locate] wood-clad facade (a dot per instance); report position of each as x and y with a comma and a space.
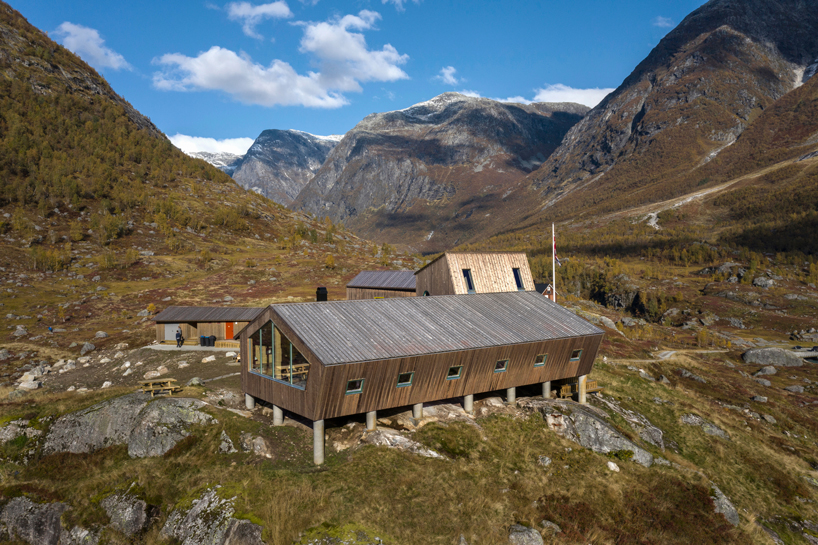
381, 285
426, 347
223, 323
354, 294
489, 273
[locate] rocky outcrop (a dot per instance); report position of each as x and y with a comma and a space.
437, 171
640, 424
128, 514
723, 505
385, 437
280, 163
209, 521
708, 427
772, 356
34, 523
149, 427
523, 535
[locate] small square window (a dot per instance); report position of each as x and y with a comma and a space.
539, 361
355, 386
454, 372
575, 355
405, 379
501, 366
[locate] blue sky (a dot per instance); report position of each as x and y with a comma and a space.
228, 70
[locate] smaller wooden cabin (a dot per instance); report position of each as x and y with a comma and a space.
221, 322
381, 285
462, 273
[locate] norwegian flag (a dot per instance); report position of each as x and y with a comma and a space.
556, 258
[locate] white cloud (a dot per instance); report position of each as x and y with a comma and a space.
399, 3
87, 43
447, 75
250, 15
188, 144
469, 93
342, 56
663, 22
563, 93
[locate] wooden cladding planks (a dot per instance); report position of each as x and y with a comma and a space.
355, 294
491, 273
435, 279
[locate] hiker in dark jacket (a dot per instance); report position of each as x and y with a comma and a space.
179, 338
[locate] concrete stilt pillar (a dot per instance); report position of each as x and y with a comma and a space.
468, 403
371, 416
581, 397
318, 442
546, 390
511, 396
278, 416
249, 401
417, 411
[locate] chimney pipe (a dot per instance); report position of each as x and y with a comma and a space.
321, 294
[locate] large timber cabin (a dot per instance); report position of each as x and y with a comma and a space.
332, 359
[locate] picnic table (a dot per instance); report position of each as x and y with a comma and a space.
160, 386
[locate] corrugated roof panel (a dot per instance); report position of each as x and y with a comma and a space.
354, 331
390, 280
208, 314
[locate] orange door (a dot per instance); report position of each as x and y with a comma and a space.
228, 331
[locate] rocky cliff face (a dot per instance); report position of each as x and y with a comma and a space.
691, 98
280, 163
438, 172
224, 161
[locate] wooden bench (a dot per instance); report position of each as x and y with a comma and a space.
300, 369
160, 386
568, 390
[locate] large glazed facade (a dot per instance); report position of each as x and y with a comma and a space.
331, 359
456, 273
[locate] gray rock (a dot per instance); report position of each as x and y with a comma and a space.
708, 427
142, 313
523, 535
796, 389
210, 522
724, 506
20, 331
763, 282
767, 418
772, 356
100, 335
195, 381
34, 523
687, 374
87, 347
4, 354
550, 527
149, 428
16, 394
128, 513
226, 446
389, 438
79, 536
768, 370
544, 461
764, 382
759, 399
640, 424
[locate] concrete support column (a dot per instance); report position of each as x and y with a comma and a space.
581, 397
468, 403
511, 396
546, 390
249, 401
371, 416
417, 411
318, 442
278, 416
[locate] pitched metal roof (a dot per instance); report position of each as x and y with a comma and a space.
207, 314
376, 329
384, 280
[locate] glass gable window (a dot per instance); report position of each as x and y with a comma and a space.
518, 279
272, 355
454, 372
468, 280
501, 366
575, 355
540, 360
355, 386
405, 379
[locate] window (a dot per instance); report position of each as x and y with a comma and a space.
539, 361
355, 386
405, 379
575, 355
454, 372
426, 293
501, 366
468, 279
272, 355
518, 279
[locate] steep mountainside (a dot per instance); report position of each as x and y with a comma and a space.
692, 97
224, 161
280, 163
438, 173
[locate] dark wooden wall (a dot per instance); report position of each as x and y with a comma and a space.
365, 293
192, 330
435, 278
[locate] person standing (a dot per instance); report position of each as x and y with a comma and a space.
179, 338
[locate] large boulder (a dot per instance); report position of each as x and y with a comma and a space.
209, 521
34, 523
128, 513
722, 504
523, 535
150, 427
772, 356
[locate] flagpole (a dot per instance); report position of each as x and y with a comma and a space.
553, 265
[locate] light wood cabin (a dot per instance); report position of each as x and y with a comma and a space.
463, 273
